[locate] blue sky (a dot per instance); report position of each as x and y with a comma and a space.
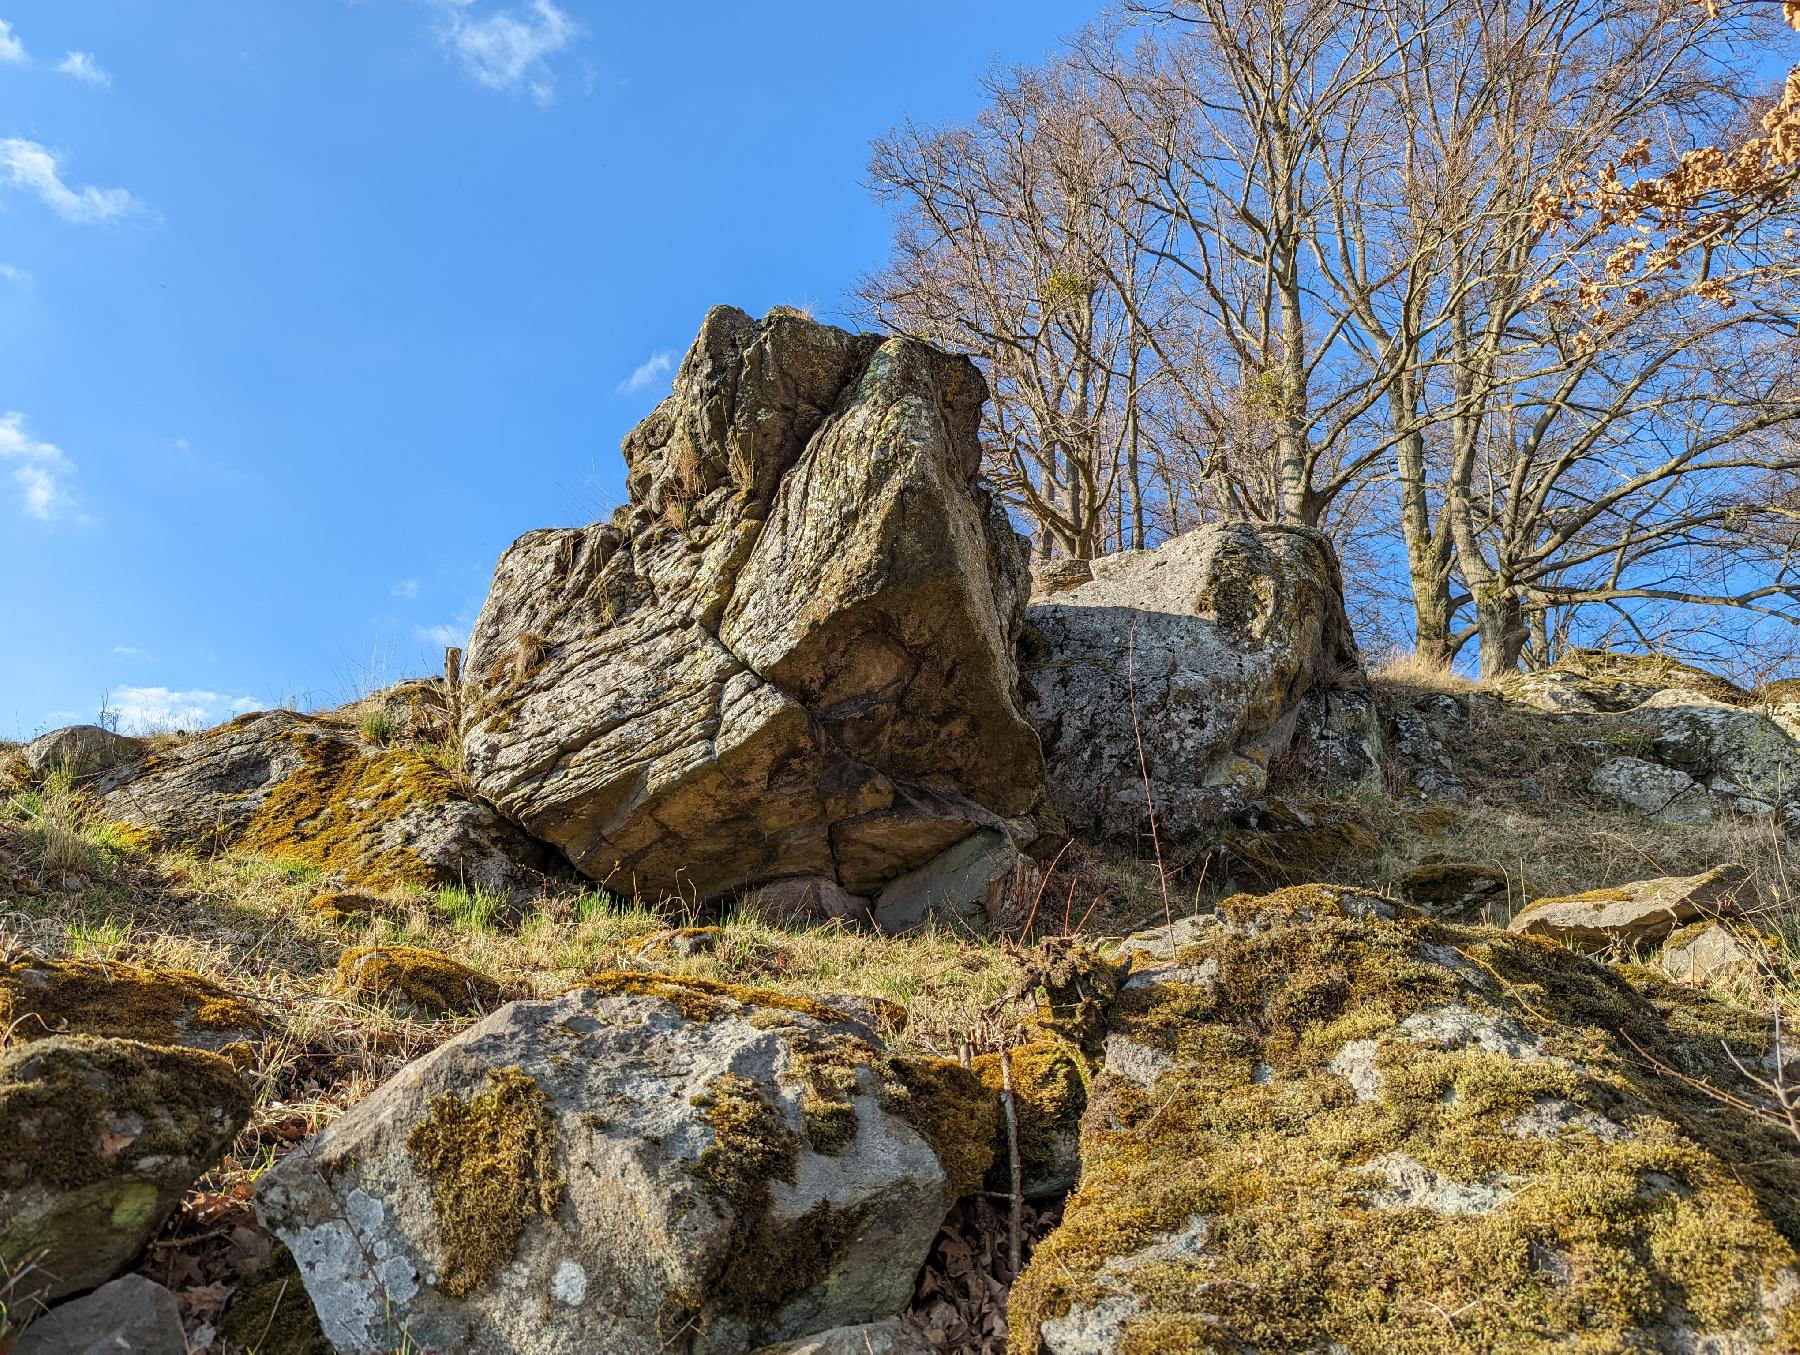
309, 307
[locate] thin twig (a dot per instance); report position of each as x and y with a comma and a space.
1015, 1221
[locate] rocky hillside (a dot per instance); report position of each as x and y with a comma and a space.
808, 927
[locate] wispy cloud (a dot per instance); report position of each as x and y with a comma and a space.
39, 469
84, 68
130, 652
30, 166
442, 635
653, 367
12, 50
19, 277
158, 708
407, 590
509, 49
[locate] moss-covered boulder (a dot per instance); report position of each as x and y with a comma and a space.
423, 980
271, 1313
311, 791
646, 1164
101, 1138
1328, 1124
40, 998
1639, 913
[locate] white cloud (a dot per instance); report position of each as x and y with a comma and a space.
442, 635
157, 708
84, 68
407, 590
130, 652
30, 166
11, 49
39, 469
654, 366
509, 49
19, 277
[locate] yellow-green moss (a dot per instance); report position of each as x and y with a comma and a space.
271, 1313
1649, 670
1251, 1136
86, 997
1049, 1082
434, 983
332, 810
768, 1263
951, 1110
489, 1162
1072, 984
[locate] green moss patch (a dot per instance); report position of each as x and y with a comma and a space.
489, 1162
1240, 1200
331, 811
433, 983
1049, 1081
271, 1313
85, 997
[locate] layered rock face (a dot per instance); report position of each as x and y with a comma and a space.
643, 1166
791, 655
1203, 649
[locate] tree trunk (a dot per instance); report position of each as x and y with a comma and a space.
1500, 626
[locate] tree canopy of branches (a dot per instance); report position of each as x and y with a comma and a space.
1289, 260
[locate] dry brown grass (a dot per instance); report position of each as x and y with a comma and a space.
1406, 669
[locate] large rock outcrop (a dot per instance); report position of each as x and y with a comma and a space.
791, 655
645, 1166
1204, 649
1325, 1124
308, 789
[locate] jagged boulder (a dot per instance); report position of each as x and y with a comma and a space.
644, 1165
308, 789
101, 1140
1324, 1123
791, 655
1202, 648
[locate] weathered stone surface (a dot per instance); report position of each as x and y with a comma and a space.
129, 1316
82, 750
102, 1138
1652, 789
1212, 639
1323, 1124
310, 790
1641, 913
794, 653
968, 879
1279, 842
808, 898
1463, 891
647, 1165
1709, 951
892, 1337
